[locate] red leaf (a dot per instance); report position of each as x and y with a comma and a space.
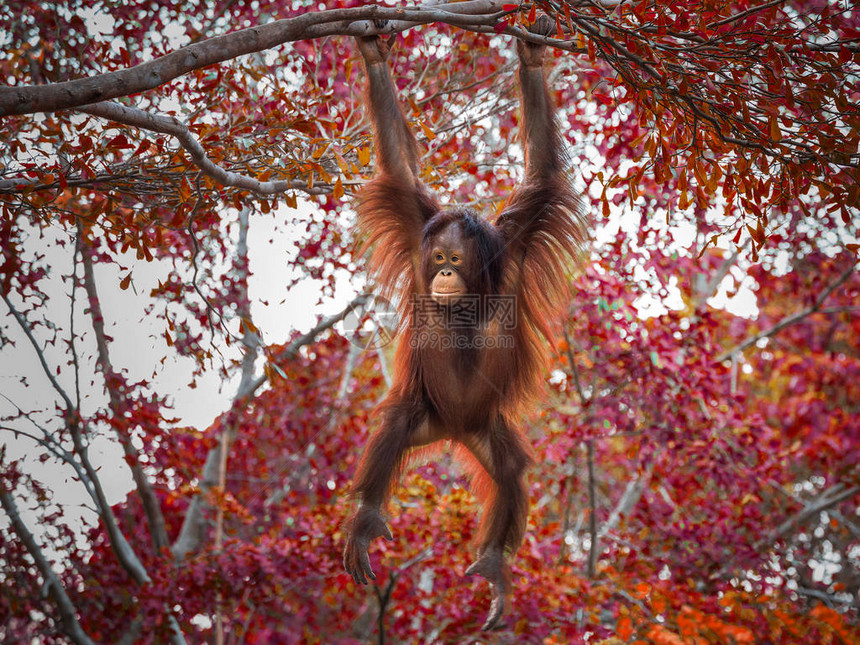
119, 142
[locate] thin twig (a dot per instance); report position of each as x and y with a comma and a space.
792, 319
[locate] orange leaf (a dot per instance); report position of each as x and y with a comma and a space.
341, 163
184, 190
125, 282
624, 628
775, 134
427, 132
757, 234
319, 152
642, 590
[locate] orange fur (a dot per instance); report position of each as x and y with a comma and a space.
474, 394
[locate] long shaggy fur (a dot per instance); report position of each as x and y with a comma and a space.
473, 397
392, 213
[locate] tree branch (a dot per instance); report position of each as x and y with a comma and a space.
151, 506
68, 613
834, 495
174, 127
52, 444
594, 550
119, 544
789, 320
214, 469
25, 327
30, 184
192, 532
357, 21
708, 287
629, 499
292, 350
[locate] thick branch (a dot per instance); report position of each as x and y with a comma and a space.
191, 534
356, 21
214, 469
151, 507
174, 127
71, 627
29, 184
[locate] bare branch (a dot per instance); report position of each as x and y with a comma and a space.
124, 552
583, 399
292, 350
68, 613
790, 320
192, 532
40, 354
834, 495
709, 287
215, 467
632, 493
154, 516
52, 444
174, 127
594, 550
119, 544
354, 351
828, 498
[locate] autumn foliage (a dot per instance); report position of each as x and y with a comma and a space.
697, 449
